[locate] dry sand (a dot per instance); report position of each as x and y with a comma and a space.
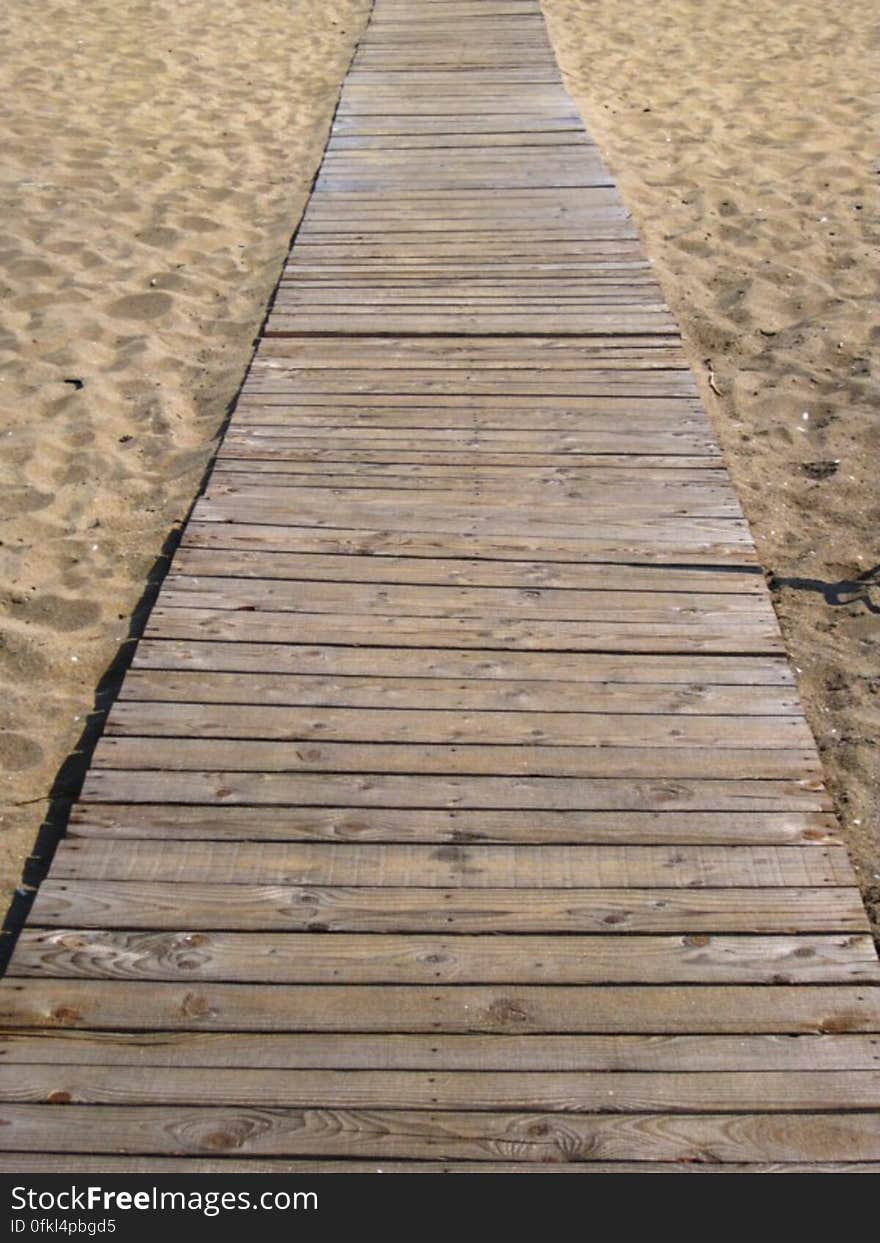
157, 156
742, 136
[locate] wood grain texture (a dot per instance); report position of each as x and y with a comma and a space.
159, 821
418, 790
582, 1092
128, 1006
471, 1136
303, 957
324, 908
460, 865
335, 1051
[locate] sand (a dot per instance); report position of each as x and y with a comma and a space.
742, 136
158, 157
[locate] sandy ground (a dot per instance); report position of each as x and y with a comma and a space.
156, 158
742, 136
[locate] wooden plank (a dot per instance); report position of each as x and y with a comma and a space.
243, 755
532, 157
242, 447
599, 505
479, 203
475, 180
475, 413
459, 866
483, 405
469, 1136
723, 521
261, 419
524, 576
183, 822
232, 477
51, 1163
338, 1051
344, 140
481, 727
377, 958
582, 1092
656, 545
574, 405
538, 353
652, 635
487, 381
360, 271
131, 1006
452, 214
573, 604
628, 312
310, 307
478, 695
559, 668
570, 615
440, 246
247, 907
349, 474
403, 123
745, 796
598, 287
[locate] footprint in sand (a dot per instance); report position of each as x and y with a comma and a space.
17, 752
141, 305
60, 613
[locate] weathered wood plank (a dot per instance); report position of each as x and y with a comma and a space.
582, 1092
130, 1006
482, 727
234, 476
317, 474
345, 140
375, 958
243, 755
769, 706
557, 668
51, 1163
653, 636
518, 793
465, 1135
335, 1051
486, 381
206, 905
423, 599
653, 545
551, 354
182, 822
465, 866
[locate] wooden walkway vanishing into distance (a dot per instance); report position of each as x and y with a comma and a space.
458, 810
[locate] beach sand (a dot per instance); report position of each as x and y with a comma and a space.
743, 138
157, 159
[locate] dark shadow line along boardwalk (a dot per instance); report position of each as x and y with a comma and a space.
458, 810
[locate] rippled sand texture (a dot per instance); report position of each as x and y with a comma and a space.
156, 157
742, 135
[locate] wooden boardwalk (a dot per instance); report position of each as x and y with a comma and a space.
458, 810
